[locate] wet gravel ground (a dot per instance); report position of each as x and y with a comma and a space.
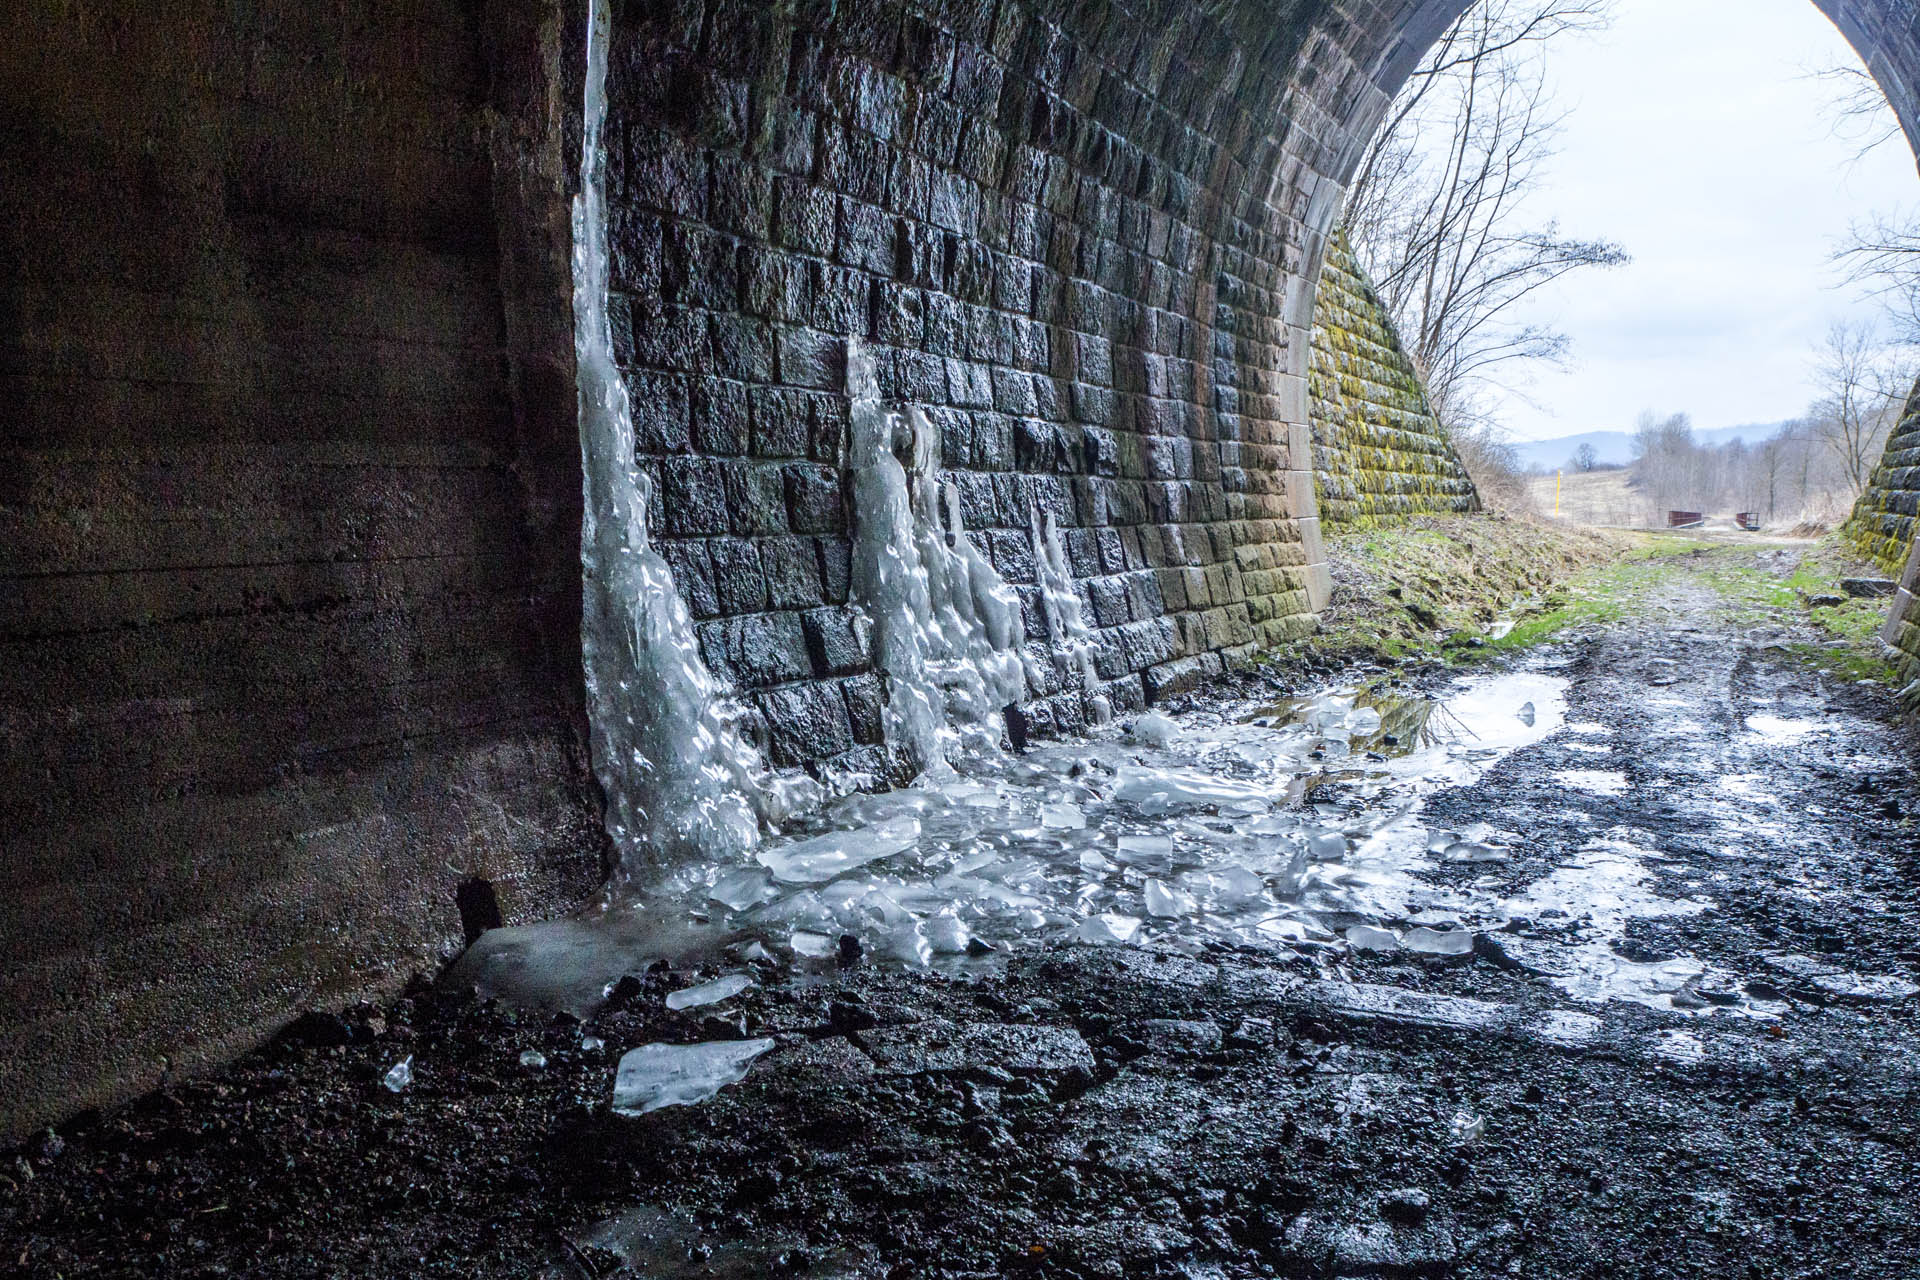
1116, 1112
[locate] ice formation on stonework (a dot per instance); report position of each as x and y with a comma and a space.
681, 781
946, 629
1060, 604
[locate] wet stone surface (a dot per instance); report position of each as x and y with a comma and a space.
1682, 1043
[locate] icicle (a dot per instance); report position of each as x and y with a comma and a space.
1073, 646
680, 780
946, 628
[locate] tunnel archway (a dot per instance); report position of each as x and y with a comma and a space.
1085, 240
296, 630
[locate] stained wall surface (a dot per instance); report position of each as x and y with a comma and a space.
1379, 453
289, 517
1882, 528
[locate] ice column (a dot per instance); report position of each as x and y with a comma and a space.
681, 782
1066, 617
946, 628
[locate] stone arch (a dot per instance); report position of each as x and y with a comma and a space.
315, 643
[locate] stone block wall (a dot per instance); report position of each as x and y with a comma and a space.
1041, 214
1882, 524
1379, 453
1882, 528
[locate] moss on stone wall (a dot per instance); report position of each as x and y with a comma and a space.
1883, 519
1379, 454
1882, 529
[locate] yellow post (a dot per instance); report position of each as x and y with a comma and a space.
1556, 494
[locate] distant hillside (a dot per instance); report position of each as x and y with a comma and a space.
1616, 447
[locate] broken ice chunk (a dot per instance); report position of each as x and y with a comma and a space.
1108, 928
741, 888
1236, 883
1364, 937
677, 1075
1466, 1127
1526, 714
1362, 721
1165, 900
824, 857
1149, 851
1154, 729
1440, 942
1062, 817
1094, 864
1439, 841
813, 946
1473, 851
533, 1059
399, 1075
709, 992
946, 934
1327, 846
1158, 790
592, 1044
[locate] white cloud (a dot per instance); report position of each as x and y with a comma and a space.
1697, 138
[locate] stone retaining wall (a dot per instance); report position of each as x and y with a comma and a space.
1882, 525
1379, 453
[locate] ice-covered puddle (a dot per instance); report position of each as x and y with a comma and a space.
1173, 830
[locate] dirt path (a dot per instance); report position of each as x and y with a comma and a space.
1709, 1068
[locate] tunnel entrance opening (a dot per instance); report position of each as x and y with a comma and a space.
983, 851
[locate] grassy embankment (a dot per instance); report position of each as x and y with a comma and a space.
1464, 590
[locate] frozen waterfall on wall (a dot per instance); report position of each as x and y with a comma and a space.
681, 782
1060, 604
684, 787
946, 629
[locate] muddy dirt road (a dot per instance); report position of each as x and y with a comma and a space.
1685, 1041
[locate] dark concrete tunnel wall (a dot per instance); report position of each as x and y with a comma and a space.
291, 483
289, 515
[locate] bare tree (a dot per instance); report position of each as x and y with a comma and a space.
1666, 465
1881, 251
1437, 213
1863, 390
1586, 458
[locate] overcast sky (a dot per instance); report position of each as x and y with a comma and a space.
1696, 138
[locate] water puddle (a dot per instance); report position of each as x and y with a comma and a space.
1599, 782
1781, 729
1291, 824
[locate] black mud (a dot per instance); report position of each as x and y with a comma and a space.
1121, 1113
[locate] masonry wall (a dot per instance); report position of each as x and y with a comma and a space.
1882, 528
289, 517
1379, 453
1045, 217
1882, 524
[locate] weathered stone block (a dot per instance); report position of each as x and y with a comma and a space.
833, 643
757, 649
813, 498
810, 358
792, 569
782, 422
806, 722
739, 583
757, 499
